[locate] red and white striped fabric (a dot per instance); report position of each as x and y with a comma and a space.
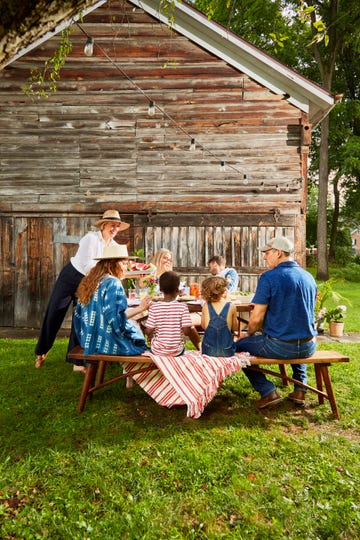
191, 379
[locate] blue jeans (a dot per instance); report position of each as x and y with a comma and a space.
262, 345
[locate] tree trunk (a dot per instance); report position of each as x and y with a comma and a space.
322, 253
335, 220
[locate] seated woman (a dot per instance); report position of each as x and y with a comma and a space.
163, 262
101, 317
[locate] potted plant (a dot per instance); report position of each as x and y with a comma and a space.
326, 293
335, 319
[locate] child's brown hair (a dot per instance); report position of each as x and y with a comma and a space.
213, 288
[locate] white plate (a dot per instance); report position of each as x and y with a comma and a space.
135, 273
134, 302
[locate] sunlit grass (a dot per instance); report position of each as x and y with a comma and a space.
127, 468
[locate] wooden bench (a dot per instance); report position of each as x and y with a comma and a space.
94, 377
321, 361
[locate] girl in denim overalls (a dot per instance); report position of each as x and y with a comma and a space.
218, 318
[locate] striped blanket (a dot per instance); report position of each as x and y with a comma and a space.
191, 379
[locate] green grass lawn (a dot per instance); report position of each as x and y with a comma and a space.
350, 290
127, 468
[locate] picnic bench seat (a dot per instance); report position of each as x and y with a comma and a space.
94, 377
321, 361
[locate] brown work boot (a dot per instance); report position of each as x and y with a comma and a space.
298, 397
268, 401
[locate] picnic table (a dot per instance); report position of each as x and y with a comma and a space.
242, 308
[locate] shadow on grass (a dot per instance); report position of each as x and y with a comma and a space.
39, 407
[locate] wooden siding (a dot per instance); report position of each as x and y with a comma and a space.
94, 141
93, 146
40, 247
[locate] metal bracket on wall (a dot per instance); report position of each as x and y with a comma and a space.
276, 214
65, 239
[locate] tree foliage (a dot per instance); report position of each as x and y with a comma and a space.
321, 40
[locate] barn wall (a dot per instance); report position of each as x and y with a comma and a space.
40, 247
92, 146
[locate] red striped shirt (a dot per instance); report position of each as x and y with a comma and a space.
168, 319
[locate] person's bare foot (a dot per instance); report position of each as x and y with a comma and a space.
129, 383
79, 369
40, 359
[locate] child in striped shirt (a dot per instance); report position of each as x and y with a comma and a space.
169, 321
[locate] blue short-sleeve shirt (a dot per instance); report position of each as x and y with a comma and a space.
289, 291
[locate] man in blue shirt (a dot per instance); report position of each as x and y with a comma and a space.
283, 312
217, 267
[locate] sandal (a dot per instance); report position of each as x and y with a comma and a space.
40, 359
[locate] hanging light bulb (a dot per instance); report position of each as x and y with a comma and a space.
89, 46
262, 185
222, 166
192, 145
151, 110
245, 180
287, 187
277, 188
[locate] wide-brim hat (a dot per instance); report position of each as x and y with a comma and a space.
112, 215
279, 242
118, 251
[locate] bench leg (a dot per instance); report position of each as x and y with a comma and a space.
284, 376
88, 383
323, 371
101, 372
319, 383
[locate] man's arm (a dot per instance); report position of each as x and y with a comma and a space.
233, 279
257, 317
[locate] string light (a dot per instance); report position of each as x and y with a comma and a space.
88, 50
151, 110
89, 46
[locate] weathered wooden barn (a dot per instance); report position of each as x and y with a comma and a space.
198, 138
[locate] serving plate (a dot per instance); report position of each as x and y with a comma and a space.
136, 273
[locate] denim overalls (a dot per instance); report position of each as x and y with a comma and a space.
218, 340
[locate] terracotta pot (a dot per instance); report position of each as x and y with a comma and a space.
336, 329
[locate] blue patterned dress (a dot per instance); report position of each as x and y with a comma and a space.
102, 327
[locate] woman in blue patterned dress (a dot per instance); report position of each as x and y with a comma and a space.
101, 317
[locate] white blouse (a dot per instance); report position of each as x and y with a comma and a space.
90, 246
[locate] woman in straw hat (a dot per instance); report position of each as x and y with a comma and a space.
91, 246
101, 317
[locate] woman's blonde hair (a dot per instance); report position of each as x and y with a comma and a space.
213, 288
91, 281
159, 255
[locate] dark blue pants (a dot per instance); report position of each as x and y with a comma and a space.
262, 345
62, 295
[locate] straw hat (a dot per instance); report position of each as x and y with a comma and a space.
116, 251
112, 215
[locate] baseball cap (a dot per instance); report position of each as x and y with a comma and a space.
279, 242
